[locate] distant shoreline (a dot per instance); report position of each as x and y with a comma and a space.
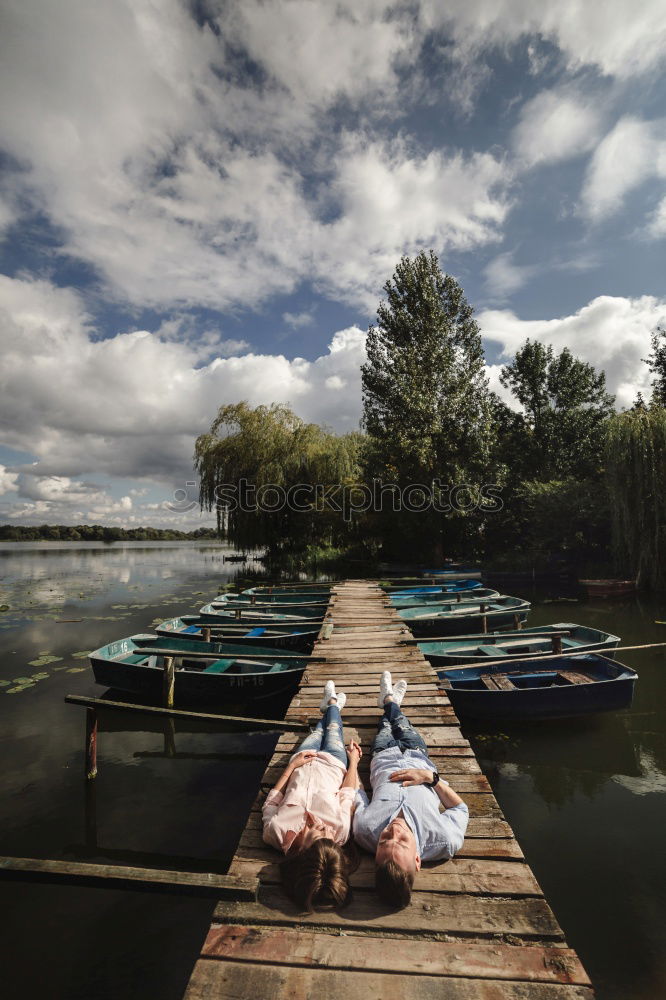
102, 533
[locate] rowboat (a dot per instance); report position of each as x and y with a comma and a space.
426, 600
453, 618
570, 685
271, 601
304, 589
516, 645
248, 614
438, 588
608, 588
192, 628
214, 677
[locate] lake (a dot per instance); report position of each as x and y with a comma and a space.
587, 800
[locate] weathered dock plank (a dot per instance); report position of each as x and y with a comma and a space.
478, 926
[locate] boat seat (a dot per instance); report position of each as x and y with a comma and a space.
574, 677
498, 682
492, 651
218, 667
571, 643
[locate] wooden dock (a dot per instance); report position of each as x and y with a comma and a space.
478, 926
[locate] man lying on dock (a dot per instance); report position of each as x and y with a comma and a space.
403, 824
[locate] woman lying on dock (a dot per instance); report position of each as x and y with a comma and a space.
308, 812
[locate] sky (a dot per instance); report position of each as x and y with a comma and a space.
200, 203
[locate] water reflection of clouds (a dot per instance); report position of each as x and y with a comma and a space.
652, 779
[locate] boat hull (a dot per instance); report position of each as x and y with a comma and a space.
112, 668
586, 640
550, 700
287, 637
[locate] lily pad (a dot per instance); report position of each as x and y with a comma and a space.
22, 680
43, 660
19, 688
76, 670
40, 676
81, 655
4, 683
119, 607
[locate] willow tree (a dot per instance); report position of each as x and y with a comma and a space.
426, 404
636, 476
252, 462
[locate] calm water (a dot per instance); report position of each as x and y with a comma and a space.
185, 812
587, 800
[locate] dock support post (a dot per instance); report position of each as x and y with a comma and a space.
91, 743
557, 644
517, 623
168, 682
206, 635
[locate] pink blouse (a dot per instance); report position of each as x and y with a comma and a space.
313, 791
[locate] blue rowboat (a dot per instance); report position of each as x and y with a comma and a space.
438, 588
191, 627
201, 675
517, 645
426, 600
249, 615
570, 685
453, 618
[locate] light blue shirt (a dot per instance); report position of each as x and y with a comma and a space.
437, 834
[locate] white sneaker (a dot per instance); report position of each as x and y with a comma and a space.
385, 687
342, 700
329, 692
399, 691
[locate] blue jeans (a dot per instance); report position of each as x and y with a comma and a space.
327, 735
395, 730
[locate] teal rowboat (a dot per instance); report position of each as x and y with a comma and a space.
543, 640
204, 672
291, 637
428, 600
248, 614
466, 617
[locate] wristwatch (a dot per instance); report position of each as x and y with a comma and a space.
435, 779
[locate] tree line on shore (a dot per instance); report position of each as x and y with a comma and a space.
579, 485
98, 533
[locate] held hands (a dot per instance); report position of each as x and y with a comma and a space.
413, 776
354, 751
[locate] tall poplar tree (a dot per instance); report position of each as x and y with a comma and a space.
426, 404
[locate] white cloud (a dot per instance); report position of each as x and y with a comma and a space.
657, 226
132, 405
8, 481
393, 201
612, 333
555, 125
632, 152
620, 38
503, 276
298, 320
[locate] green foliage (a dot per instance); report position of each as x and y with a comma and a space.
97, 533
636, 478
426, 405
656, 362
271, 446
565, 403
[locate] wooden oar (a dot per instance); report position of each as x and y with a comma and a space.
557, 656
180, 653
489, 638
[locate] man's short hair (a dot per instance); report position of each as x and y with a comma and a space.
394, 884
